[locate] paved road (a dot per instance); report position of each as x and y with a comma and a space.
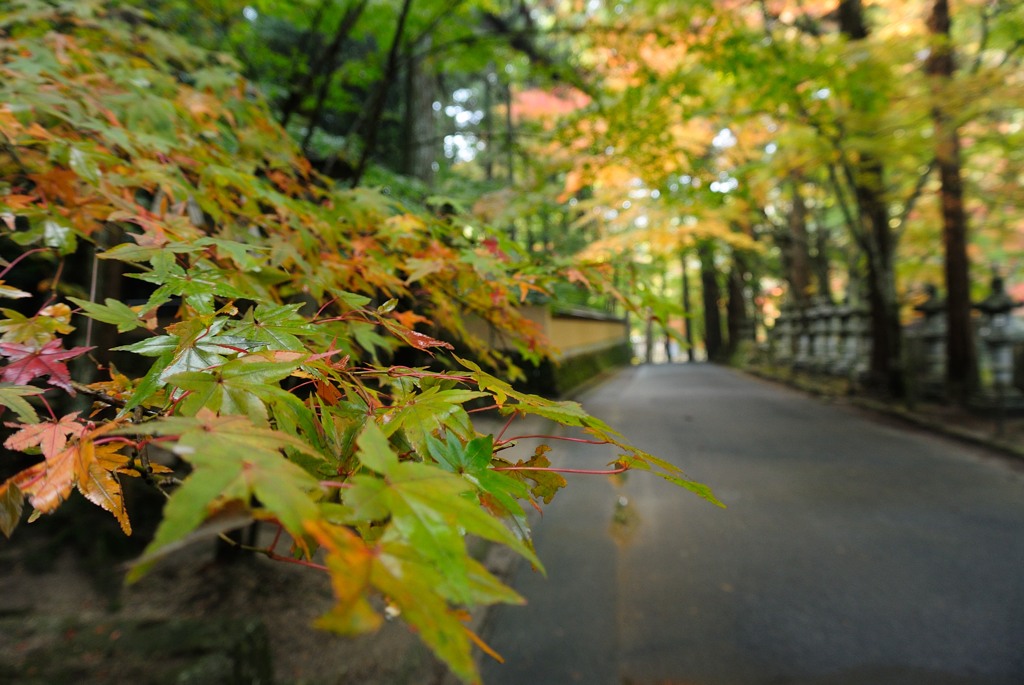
852, 552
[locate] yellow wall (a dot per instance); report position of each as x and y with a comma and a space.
569, 335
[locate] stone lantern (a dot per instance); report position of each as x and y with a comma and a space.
803, 337
933, 335
783, 336
858, 343
997, 335
816, 331
842, 356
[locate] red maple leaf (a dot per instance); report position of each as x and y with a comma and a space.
28, 362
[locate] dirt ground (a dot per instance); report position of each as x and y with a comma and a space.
60, 603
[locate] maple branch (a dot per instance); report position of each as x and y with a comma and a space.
98, 395
483, 409
270, 551
301, 562
21, 257
583, 441
552, 469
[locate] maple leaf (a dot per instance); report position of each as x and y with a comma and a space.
409, 319
12, 500
499, 493
28, 362
545, 483
13, 396
11, 292
38, 329
95, 472
49, 436
232, 459
90, 467
420, 341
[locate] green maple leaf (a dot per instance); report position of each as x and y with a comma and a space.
240, 386
419, 416
111, 311
276, 326
428, 507
412, 583
499, 492
233, 460
194, 345
198, 285
564, 412
13, 396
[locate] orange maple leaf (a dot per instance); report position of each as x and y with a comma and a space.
90, 467
95, 474
49, 436
409, 319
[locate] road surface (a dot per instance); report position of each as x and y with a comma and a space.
852, 552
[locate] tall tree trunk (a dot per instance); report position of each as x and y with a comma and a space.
509, 135
866, 177
649, 338
323, 66
795, 253
490, 78
713, 342
821, 265
960, 358
418, 116
687, 304
737, 322
375, 108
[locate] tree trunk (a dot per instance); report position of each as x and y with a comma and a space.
795, 253
649, 339
418, 122
821, 265
712, 294
509, 135
687, 306
886, 371
940, 66
737, 320
866, 177
375, 109
490, 78
323, 66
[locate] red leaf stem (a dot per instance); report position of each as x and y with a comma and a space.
497, 438
271, 554
588, 472
334, 484
22, 256
483, 409
550, 437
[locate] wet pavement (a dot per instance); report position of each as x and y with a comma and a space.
853, 550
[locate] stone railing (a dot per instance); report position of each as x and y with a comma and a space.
823, 338
835, 339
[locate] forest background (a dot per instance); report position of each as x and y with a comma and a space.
251, 234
